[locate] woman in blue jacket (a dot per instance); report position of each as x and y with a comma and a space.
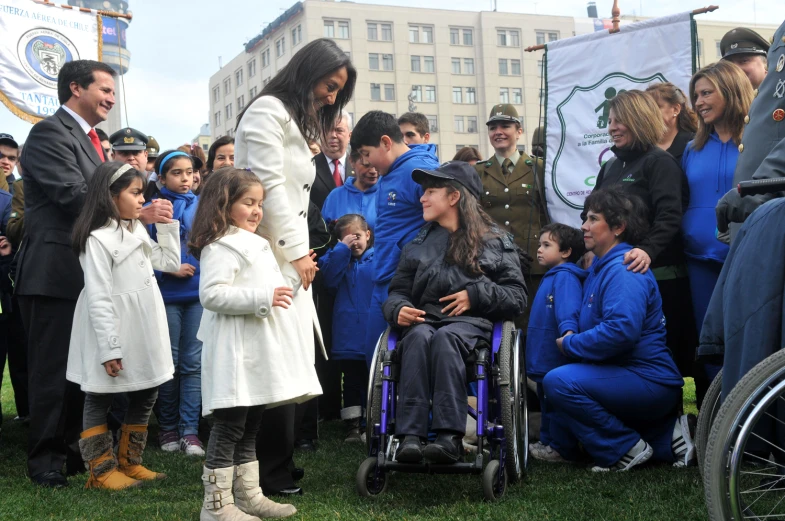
347, 271
357, 195
621, 396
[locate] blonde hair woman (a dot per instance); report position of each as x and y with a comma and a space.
642, 168
678, 117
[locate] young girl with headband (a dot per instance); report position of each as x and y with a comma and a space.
120, 337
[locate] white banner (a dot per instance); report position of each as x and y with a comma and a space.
583, 73
36, 40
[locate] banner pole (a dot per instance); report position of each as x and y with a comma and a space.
111, 14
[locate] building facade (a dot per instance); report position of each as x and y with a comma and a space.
452, 66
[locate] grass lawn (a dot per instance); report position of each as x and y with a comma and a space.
550, 492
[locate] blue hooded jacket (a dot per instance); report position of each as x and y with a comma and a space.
621, 321
555, 311
349, 199
175, 290
710, 176
349, 279
398, 209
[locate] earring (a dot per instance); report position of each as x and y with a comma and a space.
617, 235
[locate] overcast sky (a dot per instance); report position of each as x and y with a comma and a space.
175, 45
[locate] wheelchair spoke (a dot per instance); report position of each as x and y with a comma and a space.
773, 445
768, 462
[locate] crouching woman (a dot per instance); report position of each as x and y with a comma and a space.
457, 277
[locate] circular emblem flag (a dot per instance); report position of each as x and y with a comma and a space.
43, 52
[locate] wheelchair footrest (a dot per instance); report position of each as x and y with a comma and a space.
474, 467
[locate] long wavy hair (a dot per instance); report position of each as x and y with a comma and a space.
640, 114
99, 207
732, 84
672, 95
294, 85
223, 188
474, 228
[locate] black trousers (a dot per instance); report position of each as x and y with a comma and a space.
55, 404
274, 449
433, 367
13, 344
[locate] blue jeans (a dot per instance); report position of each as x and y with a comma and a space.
180, 399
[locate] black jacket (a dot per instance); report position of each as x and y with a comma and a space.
324, 183
423, 277
679, 144
656, 177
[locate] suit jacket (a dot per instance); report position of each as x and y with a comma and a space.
58, 160
324, 182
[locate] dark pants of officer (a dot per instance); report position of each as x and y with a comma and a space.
274, 449
433, 365
13, 342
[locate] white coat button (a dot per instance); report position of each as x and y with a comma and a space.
263, 310
266, 248
506, 189
147, 281
115, 252
246, 252
141, 264
507, 206
115, 341
506, 223
487, 193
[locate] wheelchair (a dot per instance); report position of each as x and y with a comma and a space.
501, 414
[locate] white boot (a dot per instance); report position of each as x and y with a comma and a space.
218, 500
249, 497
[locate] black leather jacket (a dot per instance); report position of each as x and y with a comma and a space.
423, 277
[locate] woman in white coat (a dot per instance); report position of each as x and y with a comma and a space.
272, 139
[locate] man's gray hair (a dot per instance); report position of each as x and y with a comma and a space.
345, 116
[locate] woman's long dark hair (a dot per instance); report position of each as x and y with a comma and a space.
474, 227
223, 188
99, 207
213, 151
294, 85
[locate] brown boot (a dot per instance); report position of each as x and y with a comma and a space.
96, 448
133, 439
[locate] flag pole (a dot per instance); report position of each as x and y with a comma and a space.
111, 14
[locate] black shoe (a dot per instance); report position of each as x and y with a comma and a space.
285, 492
298, 474
50, 479
409, 451
447, 448
305, 445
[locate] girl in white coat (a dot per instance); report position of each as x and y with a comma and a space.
119, 340
254, 354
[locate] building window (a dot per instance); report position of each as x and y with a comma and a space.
216, 94
427, 34
387, 62
508, 38
417, 93
329, 29
238, 77
297, 35
227, 86
502, 67
455, 36
240, 102
543, 36
468, 66
415, 64
459, 124
719, 49
420, 34
217, 118
456, 95
430, 94
280, 47
428, 64
471, 124
504, 95
433, 124
228, 111
387, 32
372, 32
515, 67
501, 38
343, 30
373, 61
517, 96
515, 39
389, 92
471, 95
456, 65
265, 58
414, 34
552, 37
376, 92
252, 68
468, 38
252, 93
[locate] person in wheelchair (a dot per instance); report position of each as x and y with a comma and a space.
458, 276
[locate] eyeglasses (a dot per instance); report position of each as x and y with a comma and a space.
10, 158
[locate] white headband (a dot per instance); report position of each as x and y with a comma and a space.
120, 171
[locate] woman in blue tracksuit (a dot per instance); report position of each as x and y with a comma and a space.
347, 272
621, 396
357, 195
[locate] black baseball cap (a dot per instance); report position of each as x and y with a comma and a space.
458, 171
8, 139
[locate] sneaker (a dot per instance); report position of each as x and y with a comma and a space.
545, 453
639, 454
682, 445
191, 445
169, 441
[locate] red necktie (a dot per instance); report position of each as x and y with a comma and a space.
337, 173
93, 135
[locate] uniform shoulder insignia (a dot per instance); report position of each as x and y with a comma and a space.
529, 162
423, 233
489, 163
14, 215
508, 241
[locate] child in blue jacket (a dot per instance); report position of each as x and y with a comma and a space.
347, 271
554, 311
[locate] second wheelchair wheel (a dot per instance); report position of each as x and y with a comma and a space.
744, 474
512, 391
370, 480
373, 407
493, 485
711, 404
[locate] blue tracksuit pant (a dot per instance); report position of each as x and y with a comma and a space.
608, 409
376, 322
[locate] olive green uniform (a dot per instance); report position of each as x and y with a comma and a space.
15, 228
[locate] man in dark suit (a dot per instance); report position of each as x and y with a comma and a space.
60, 155
332, 164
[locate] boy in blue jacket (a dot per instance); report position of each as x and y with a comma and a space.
554, 313
378, 139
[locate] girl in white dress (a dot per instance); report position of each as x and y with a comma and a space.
254, 353
120, 339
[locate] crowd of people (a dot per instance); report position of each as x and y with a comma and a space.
240, 286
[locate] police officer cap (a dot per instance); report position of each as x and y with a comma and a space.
152, 148
128, 139
743, 41
457, 171
503, 112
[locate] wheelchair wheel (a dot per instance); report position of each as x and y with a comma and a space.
493, 487
373, 408
744, 472
370, 481
514, 411
711, 404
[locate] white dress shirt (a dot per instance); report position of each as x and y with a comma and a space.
341, 165
79, 119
